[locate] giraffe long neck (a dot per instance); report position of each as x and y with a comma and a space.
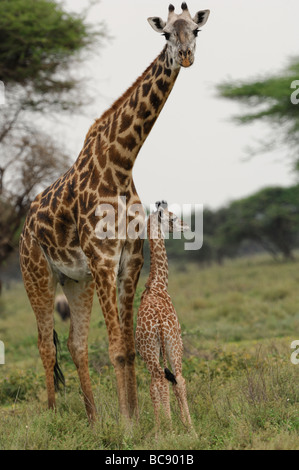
117, 136
158, 276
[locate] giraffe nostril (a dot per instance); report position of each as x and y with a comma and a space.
185, 54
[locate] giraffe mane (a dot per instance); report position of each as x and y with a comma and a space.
129, 91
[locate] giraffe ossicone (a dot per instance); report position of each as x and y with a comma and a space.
59, 241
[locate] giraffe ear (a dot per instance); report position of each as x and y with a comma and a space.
157, 23
201, 17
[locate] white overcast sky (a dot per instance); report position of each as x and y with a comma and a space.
195, 153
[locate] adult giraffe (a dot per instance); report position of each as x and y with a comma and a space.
61, 242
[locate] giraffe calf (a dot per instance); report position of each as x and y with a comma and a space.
158, 330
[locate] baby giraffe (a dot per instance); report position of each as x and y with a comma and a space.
158, 329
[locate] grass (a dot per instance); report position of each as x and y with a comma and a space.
238, 322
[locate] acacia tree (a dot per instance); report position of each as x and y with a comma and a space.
38, 162
269, 217
270, 100
40, 43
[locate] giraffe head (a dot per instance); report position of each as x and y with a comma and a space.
168, 221
180, 32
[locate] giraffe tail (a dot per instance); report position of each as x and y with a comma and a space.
58, 375
169, 376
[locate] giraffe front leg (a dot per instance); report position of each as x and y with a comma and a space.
130, 267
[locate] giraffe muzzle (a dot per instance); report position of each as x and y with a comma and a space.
186, 57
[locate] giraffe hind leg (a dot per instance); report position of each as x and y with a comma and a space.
130, 266
149, 349
181, 395
179, 385
40, 284
80, 299
174, 349
159, 391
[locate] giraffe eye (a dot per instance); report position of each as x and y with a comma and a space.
167, 36
195, 32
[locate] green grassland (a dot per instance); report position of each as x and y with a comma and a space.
238, 322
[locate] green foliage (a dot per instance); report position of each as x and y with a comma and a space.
269, 100
269, 217
38, 40
19, 386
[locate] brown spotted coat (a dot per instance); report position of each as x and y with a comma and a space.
158, 332
59, 242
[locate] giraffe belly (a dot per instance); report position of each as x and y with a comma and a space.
75, 268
